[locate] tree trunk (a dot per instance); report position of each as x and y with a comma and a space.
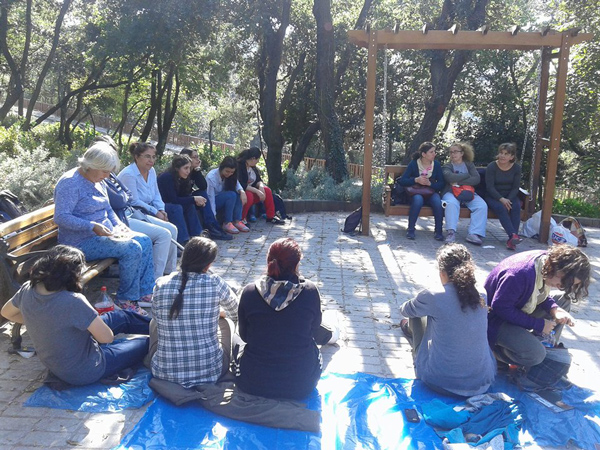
154, 106
443, 77
335, 161
300, 150
25, 57
16, 83
49, 60
170, 110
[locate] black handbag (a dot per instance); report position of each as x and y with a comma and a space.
417, 189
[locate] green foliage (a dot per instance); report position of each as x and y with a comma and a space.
210, 160
31, 175
576, 208
316, 184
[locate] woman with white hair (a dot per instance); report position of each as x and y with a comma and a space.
85, 220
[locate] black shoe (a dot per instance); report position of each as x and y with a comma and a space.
276, 221
217, 234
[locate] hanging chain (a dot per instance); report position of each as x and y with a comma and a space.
535, 130
384, 137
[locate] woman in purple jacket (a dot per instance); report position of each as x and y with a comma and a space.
518, 299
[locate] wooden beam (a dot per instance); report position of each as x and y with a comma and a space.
465, 40
557, 120
541, 142
369, 122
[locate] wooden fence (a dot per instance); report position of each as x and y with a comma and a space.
354, 170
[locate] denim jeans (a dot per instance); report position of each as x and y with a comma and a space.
209, 219
417, 202
231, 204
185, 218
510, 220
478, 208
127, 352
136, 269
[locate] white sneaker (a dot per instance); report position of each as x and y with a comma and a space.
450, 237
474, 239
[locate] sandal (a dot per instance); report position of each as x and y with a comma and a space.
145, 301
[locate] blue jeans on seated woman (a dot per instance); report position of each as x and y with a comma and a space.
127, 352
231, 204
510, 220
136, 269
185, 218
417, 202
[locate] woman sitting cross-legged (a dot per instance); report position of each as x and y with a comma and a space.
174, 185
279, 315
502, 181
225, 193
194, 339
71, 340
459, 172
424, 173
85, 220
256, 190
448, 329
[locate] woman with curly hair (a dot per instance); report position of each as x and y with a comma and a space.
447, 329
518, 295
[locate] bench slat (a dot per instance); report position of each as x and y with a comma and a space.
94, 268
38, 230
47, 212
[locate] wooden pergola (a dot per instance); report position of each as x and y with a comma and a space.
547, 40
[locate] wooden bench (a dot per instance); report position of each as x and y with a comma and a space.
393, 172
22, 241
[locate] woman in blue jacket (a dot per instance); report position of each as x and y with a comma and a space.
173, 185
425, 172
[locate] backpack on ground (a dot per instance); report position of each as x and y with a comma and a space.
280, 207
10, 206
549, 373
353, 221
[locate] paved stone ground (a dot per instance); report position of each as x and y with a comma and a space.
363, 279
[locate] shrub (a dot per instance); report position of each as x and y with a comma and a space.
317, 184
32, 175
574, 207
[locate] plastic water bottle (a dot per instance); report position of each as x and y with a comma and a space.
104, 303
548, 340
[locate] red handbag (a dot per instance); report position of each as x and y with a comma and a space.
464, 193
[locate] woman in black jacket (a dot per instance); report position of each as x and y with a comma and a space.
256, 191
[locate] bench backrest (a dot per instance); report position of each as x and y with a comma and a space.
32, 231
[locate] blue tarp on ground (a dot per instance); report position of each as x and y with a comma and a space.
97, 397
357, 410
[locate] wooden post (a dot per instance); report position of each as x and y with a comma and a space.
540, 132
369, 120
557, 120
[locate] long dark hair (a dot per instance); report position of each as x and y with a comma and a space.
282, 258
230, 183
455, 260
423, 148
59, 270
182, 185
249, 153
198, 254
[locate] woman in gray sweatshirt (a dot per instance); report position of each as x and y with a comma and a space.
448, 329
